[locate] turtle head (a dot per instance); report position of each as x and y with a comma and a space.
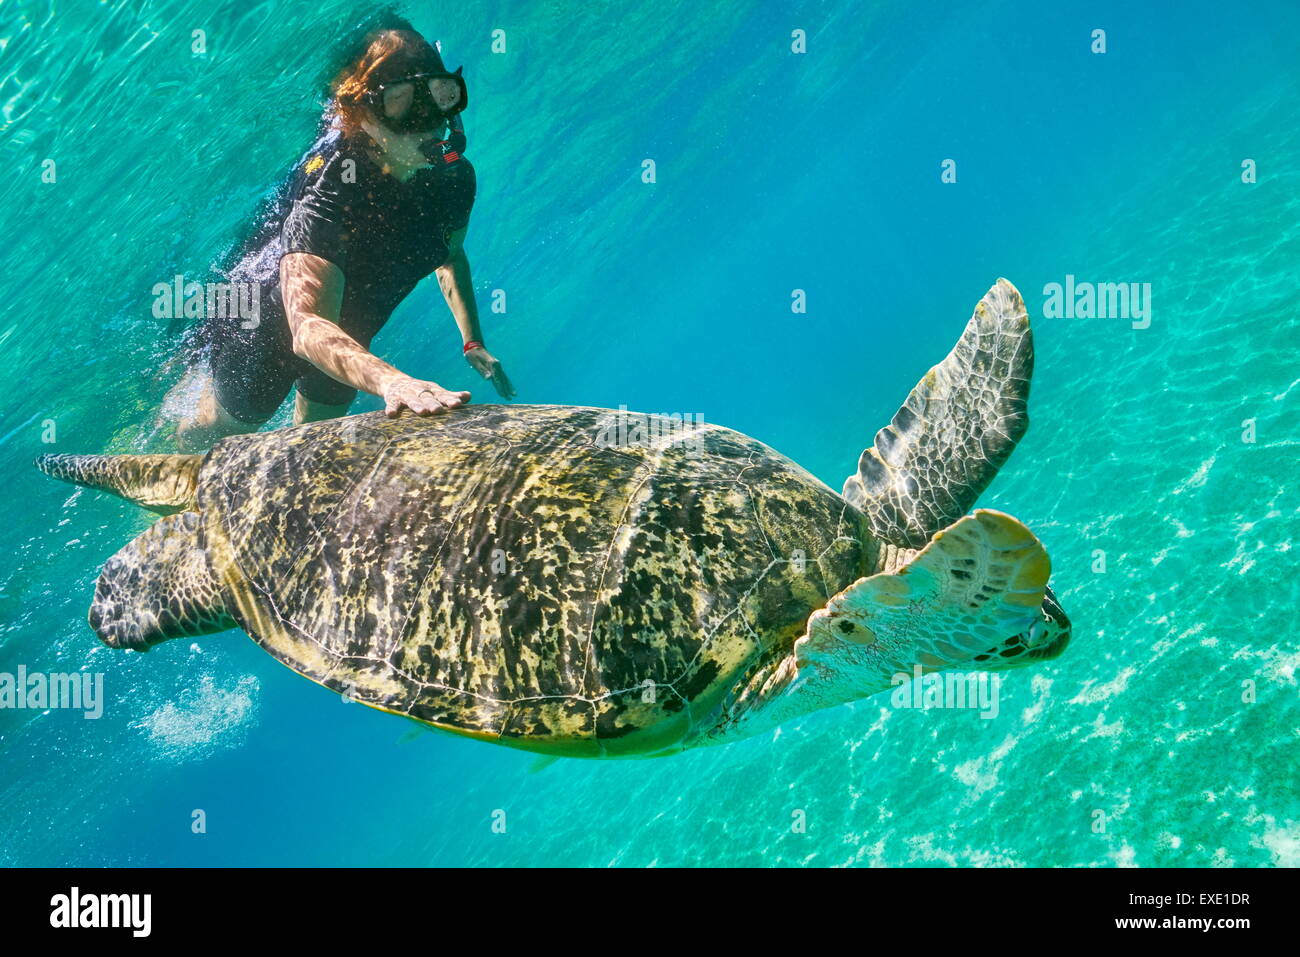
1045, 639
974, 599
159, 586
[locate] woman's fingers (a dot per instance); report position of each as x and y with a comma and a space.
441, 400
449, 400
431, 402
492, 370
502, 383
422, 398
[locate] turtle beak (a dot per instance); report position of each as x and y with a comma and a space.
1046, 639
1050, 637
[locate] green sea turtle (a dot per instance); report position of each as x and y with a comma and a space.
537, 577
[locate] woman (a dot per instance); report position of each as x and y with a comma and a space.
381, 201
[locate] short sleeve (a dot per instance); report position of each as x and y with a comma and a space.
462, 185
317, 220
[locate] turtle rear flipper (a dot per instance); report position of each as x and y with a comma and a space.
957, 427
161, 483
158, 587
970, 600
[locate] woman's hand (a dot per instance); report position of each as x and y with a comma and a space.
490, 368
420, 396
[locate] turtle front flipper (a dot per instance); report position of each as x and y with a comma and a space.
158, 587
957, 427
161, 483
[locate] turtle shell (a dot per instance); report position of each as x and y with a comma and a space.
542, 576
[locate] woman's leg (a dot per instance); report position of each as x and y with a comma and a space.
318, 396
208, 423
306, 410
247, 377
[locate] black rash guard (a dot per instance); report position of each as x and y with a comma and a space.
383, 234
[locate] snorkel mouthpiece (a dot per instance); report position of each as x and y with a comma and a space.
448, 151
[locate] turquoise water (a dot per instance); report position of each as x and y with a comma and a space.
1170, 535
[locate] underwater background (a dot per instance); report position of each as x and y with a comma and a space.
1160, 469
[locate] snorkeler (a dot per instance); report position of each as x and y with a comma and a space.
381, 201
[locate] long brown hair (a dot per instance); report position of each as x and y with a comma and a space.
386, 54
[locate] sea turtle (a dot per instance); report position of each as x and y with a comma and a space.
587, 583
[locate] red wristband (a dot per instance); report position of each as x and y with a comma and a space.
472, 344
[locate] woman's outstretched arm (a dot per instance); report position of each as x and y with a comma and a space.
312, 290
458, 289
